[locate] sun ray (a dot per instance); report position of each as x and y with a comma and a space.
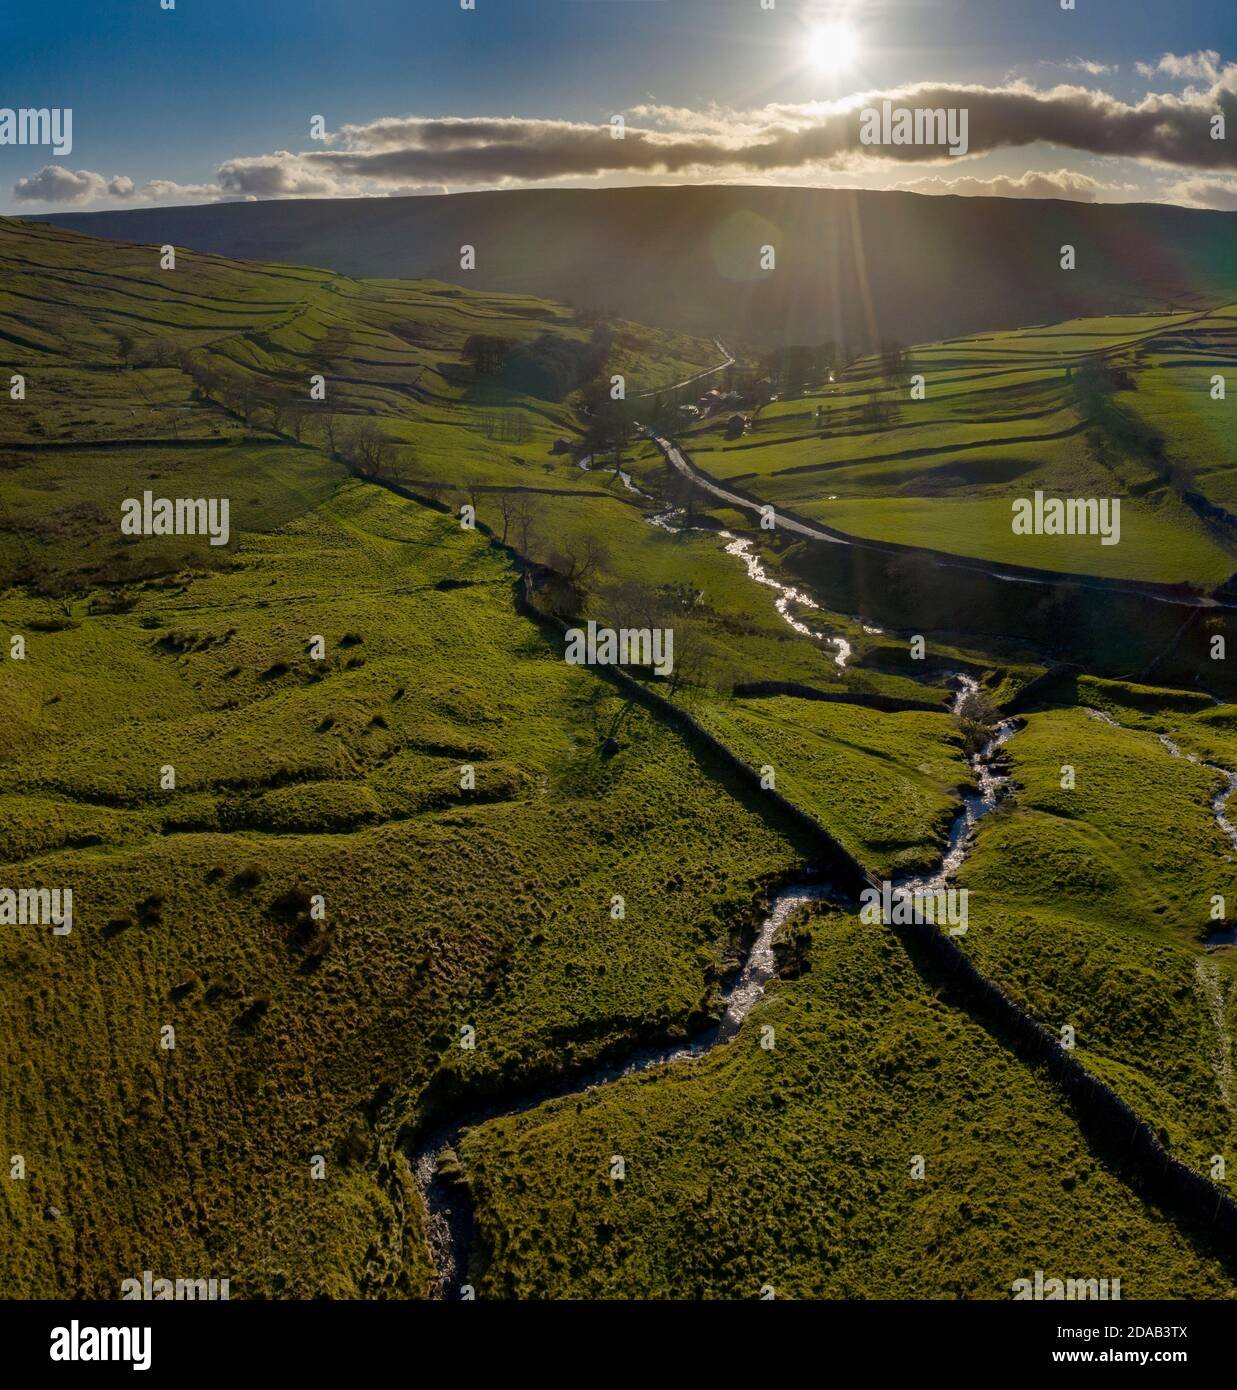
833, 47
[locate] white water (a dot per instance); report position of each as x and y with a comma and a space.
586, 463
1219, 802
992, 786
788, 597
742, 996
759, 968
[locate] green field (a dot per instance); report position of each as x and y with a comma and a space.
443, 907
1004, 415
790, 1168
1091, 903
467, 807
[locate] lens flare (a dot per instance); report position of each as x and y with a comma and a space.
833, 47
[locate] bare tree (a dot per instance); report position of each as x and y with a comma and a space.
277, 403
506, 509
525, 516
579, 562
330, 429
303, 421
367, 448
694, 656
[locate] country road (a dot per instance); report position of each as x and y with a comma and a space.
1012, 575
687, 381
676, 457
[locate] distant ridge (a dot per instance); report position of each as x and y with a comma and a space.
852, 266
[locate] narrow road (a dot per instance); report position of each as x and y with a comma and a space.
687, 381
676, 457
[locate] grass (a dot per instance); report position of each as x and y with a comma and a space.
294, 777
1002, 417
490, 906
443, 907
880, 782
790, 1168
1090, 904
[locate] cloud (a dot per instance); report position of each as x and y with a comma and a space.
280, 175
1062, 183
1203, 66
1170, 129
1218, 194
55, 184
168, 190
1093, 69
812, 140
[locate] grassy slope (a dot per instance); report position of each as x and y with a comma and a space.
295, 777
791, 1166
442, 907
1086, 905
881, 782
1089, 905
943, 474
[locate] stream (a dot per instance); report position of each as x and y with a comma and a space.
586, 463
1219, 802
992, 787
788, 599
448, 1207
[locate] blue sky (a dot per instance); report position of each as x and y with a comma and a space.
175, 95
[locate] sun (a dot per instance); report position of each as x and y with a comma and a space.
833, 47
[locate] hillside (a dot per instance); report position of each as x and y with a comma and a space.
399, 819
852, 267
1115, 407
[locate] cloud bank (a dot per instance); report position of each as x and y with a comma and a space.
1173, 130
1059, 183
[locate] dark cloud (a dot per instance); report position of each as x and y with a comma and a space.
1167, 129
1173, 130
